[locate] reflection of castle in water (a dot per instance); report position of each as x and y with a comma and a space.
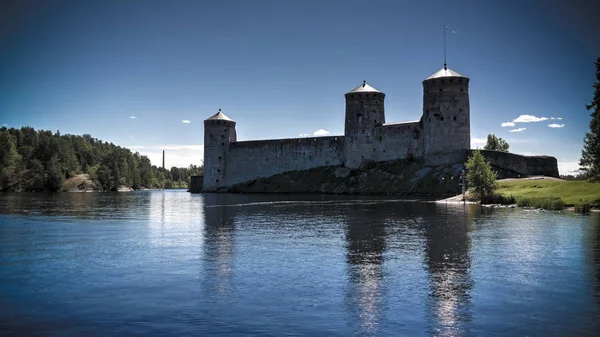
219, 234
367, 229
365, 237
448, 261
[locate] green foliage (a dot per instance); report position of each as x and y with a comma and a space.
590, 155
480, 177
549, 203
40, 160
496, 144
499, 199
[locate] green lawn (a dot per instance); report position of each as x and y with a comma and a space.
572, 192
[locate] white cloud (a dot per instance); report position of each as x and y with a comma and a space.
505, 124
175, 155
518, 130
476, 141
559, 118
320, 132
568, 167
132, 117
185, 121
4, 124
303, 135
556, 126
130, 137
528, 119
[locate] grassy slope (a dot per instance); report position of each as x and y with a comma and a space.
571, 192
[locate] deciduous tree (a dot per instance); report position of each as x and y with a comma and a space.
496, 144
480, 176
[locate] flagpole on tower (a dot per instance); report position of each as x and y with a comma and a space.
445, 64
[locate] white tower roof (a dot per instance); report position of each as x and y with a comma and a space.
219, 116
364, 88
445, 72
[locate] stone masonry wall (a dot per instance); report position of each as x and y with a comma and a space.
398, 140
250, 160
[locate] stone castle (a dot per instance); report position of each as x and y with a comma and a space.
441, 136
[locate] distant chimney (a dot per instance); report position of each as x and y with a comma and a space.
163, 158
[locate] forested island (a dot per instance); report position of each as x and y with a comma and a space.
40, 160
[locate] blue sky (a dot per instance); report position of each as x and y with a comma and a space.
281, 68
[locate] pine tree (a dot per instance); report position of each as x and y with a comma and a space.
590, 155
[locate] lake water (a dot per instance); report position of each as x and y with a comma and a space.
173, 263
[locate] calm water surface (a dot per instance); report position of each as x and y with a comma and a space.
172, 263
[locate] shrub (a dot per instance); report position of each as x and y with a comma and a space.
549, 203
498, 198
583, 209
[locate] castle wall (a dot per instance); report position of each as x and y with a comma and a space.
399, 140
506, 164
522, 165
250, 160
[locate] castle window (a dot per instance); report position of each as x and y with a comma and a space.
383, 151
225, 130
380, 138
218, 170
361, 102
461, 89
442, 81
363, 130
367, 95
222, 136
454, 117
429, 119
222, 143
460, 110
217, 180
374, 121
441, 89
376, 102
442, 118
450, 80
373, 149
219, 157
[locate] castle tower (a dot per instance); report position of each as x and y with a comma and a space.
364, 112
219, 131
446, 114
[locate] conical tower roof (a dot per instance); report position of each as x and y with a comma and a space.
445, 72
219, 116
363, 88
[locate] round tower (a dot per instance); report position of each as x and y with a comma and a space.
446, 114
364, 113
219, 132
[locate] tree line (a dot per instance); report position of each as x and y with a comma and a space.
40, 160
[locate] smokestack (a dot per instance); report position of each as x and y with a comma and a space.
164, 159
